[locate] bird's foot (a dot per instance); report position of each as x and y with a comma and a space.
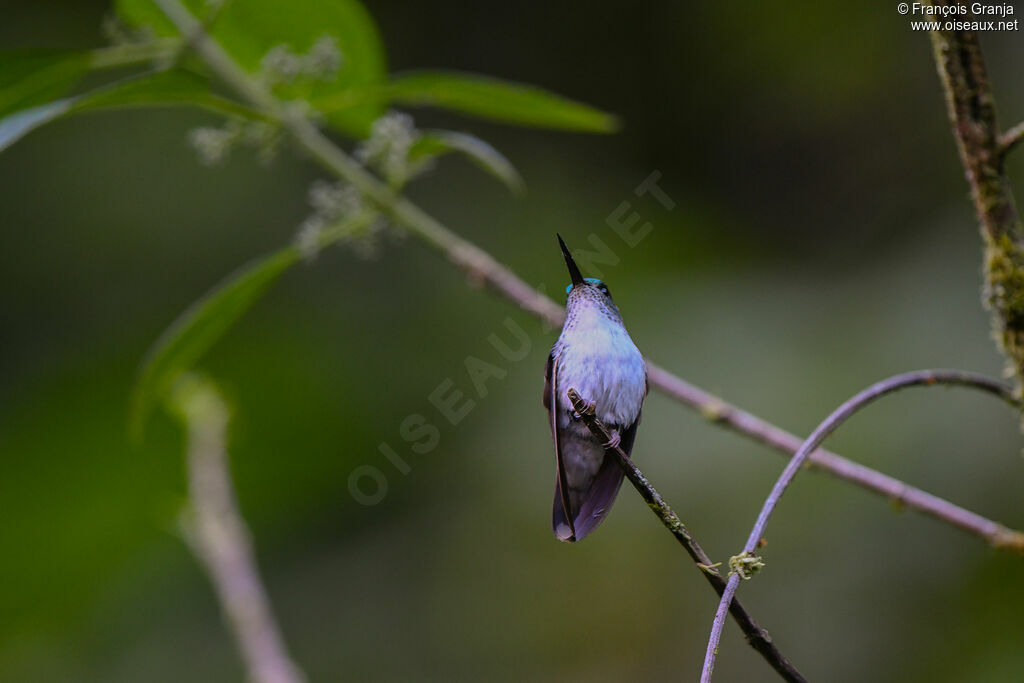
589, 410
614, 441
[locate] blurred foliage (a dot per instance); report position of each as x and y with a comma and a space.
250, 30
343, 54
199, 327
485, 98
822, 239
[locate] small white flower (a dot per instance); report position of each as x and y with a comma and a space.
213, 144
334, 200
280, 65
324, 59
387, 149
307, 240
332, 203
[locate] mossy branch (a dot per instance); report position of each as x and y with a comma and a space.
756, 636
972, 111
747, 562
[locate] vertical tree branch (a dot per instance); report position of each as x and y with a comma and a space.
219, 537
747, 561
972, 110
756, 636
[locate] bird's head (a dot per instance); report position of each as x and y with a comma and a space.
585, 289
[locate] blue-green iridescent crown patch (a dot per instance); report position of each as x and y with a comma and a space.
591, 280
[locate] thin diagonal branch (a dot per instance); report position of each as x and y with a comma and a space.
1011, 138
756, 636
831, 423
220, 539
483, 268
731, 417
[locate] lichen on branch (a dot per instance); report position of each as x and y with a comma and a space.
972, 111
1004, 294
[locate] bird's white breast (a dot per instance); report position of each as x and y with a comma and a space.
601, 361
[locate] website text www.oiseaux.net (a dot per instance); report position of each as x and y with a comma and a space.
974, 17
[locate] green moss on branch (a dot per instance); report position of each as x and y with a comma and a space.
972, 112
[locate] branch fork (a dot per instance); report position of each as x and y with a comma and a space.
744, 565
756, 636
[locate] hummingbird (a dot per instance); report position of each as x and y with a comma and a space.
595, 355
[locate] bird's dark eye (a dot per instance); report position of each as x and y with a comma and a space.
604, 288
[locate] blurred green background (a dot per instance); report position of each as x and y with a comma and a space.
822, 239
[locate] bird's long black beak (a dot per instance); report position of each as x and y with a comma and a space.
574, 271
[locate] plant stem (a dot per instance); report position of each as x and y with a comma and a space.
484, 269
756, 636
132, 53
831, 423
219, 537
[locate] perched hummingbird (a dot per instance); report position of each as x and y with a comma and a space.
595, 355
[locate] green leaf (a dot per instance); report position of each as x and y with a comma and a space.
249, 29
161, 88
17, 125
32, 78
208, 319
199, 327
434, 143
147, 14
482, 97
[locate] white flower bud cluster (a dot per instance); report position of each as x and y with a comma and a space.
387, 149
324, 59
307, 239
213, 144
282, 65
331, 202
334, 200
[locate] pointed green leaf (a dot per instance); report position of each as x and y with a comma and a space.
434, 143
200, 326
163, 88
32, 78
19, 124
208, 319
482, 97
